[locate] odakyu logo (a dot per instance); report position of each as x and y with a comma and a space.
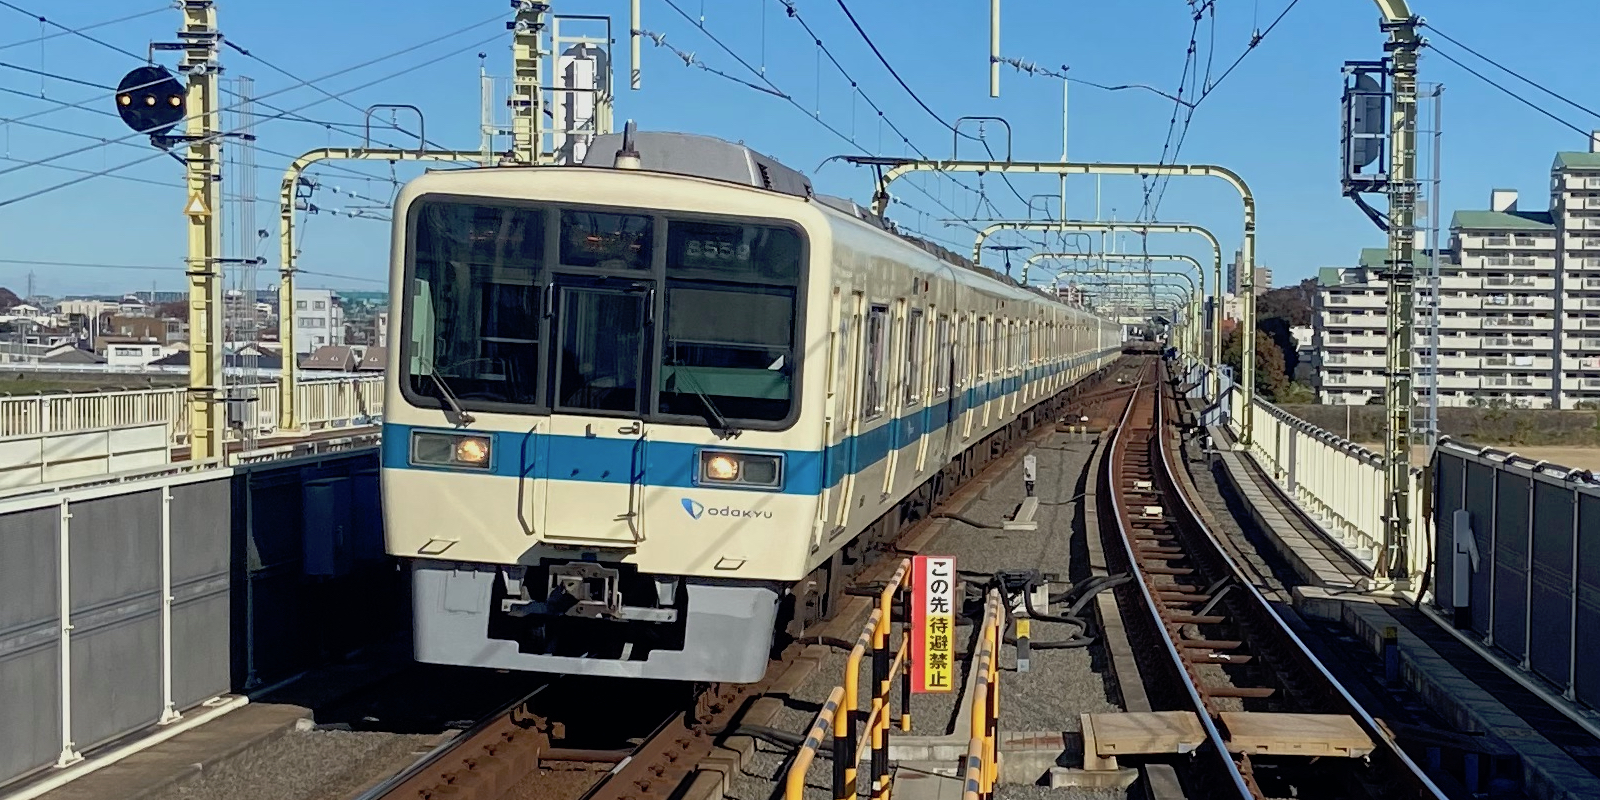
694, 509
697, 510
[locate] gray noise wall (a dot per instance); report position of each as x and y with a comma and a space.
263, 570
1534, 593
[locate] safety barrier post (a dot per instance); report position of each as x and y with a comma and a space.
905, 655
882, 675
795, 784
842, 712
982, 765
844, 724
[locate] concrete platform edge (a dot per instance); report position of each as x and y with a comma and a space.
98, 762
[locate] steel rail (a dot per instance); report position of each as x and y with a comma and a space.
1213, 735
445, 748
1242, 580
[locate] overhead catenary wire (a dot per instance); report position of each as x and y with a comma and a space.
1211, 86
1513, 95
46, 37
335, 74
291, 76
793, 11
1509, 71
177, 267
843, 6
160, 153
65, 132
780, 93
70, 31
1146, 210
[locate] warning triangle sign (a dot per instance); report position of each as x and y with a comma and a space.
196, 207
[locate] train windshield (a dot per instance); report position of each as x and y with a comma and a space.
475, 304
518, 308
729, 343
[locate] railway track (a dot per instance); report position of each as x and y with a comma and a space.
1276, 723
494, 757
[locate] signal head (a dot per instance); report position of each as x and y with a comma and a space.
150, 100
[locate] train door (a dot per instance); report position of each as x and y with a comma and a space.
603, 329
956, 382
897, 364
832, 419
851, 370
935, 392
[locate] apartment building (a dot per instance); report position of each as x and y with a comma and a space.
1519, 304
1348, 332
1498, 297
1235, 276
1575, 209
318, 320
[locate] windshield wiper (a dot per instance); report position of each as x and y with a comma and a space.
457, 415
720, 424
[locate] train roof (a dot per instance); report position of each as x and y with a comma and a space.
701, 156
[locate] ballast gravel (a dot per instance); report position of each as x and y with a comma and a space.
1060, 685
306, 765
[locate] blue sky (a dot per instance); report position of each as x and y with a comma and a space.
1274, 119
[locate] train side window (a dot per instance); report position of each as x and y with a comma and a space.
914, 356
997, 349
980, 353
943, 356
959, 364
872, 381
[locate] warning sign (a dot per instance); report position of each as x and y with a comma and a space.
196, 207
933, 623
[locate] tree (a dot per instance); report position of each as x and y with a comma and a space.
1271, 380
8, 299
1278, 329
1292, 304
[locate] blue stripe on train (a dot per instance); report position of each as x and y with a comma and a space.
672, 464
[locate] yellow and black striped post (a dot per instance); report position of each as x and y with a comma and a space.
795, 783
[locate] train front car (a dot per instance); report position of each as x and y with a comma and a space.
597, 458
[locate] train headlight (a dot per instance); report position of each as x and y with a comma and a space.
450, 450
472, 450
755, 470
721, 468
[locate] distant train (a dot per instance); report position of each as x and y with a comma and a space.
637, 406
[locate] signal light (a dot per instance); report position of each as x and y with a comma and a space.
150, 100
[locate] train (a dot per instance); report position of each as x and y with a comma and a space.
641, 405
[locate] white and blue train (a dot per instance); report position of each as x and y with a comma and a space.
643, 412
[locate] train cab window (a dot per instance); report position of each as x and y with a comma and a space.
729, 349
873, 377
600, 240
915, 358
474, 304
601, 349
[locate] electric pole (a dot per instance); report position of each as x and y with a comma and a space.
150, 100
199, 38
1398, 391
1372, 85
527, 91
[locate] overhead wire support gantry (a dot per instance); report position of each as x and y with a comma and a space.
1146, 228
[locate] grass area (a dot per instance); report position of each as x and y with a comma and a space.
1495, 427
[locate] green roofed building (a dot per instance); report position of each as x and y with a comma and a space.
1519, 304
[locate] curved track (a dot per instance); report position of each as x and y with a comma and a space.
1240, 665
